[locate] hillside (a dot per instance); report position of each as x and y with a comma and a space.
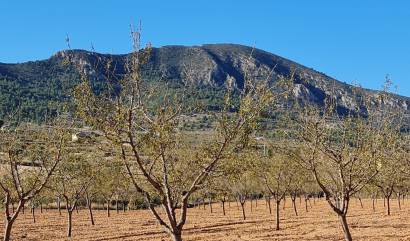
40, 88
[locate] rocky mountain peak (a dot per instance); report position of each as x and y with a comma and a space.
206, 66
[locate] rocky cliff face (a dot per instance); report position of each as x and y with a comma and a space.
212, 65
204, 66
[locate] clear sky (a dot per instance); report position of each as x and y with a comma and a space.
351, 40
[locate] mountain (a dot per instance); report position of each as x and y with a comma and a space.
39, 88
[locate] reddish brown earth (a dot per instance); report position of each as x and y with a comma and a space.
317, 224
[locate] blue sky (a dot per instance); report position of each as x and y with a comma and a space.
351, 40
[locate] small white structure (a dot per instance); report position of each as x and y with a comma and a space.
84, 136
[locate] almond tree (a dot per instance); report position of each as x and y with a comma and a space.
241, 187
102, 187
162, 161
239, 174
371, 191
29, 155
221, 187
404, 157
234, 179
388, 180
276, 173
310, 187
392, 162
123, 188
72, 178
109, 182
299, 181
90, 194
342, 152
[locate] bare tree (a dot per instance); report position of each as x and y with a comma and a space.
241, 186
298, 184
342, 152
222, 189
161, 160
71, 180
387, 181
29, 155
277, 173
109, 182
392, 163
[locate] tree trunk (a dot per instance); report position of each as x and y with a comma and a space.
90, 210
398, 200
223, 207
33, 214
70, 222
41, 207
270, 207
361, 203
374, 208
59, 205
9, 221
108, 208
210, 204
388, 205
7, 230
176, 236
243, 210
345, 227
306, 204
284, 203
117, 206
251, 204
277, 214
91, 214
294, 205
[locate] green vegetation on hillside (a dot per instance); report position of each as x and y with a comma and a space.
35, 90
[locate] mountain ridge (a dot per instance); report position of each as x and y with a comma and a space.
206, 66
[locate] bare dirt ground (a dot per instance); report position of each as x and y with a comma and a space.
317, 224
